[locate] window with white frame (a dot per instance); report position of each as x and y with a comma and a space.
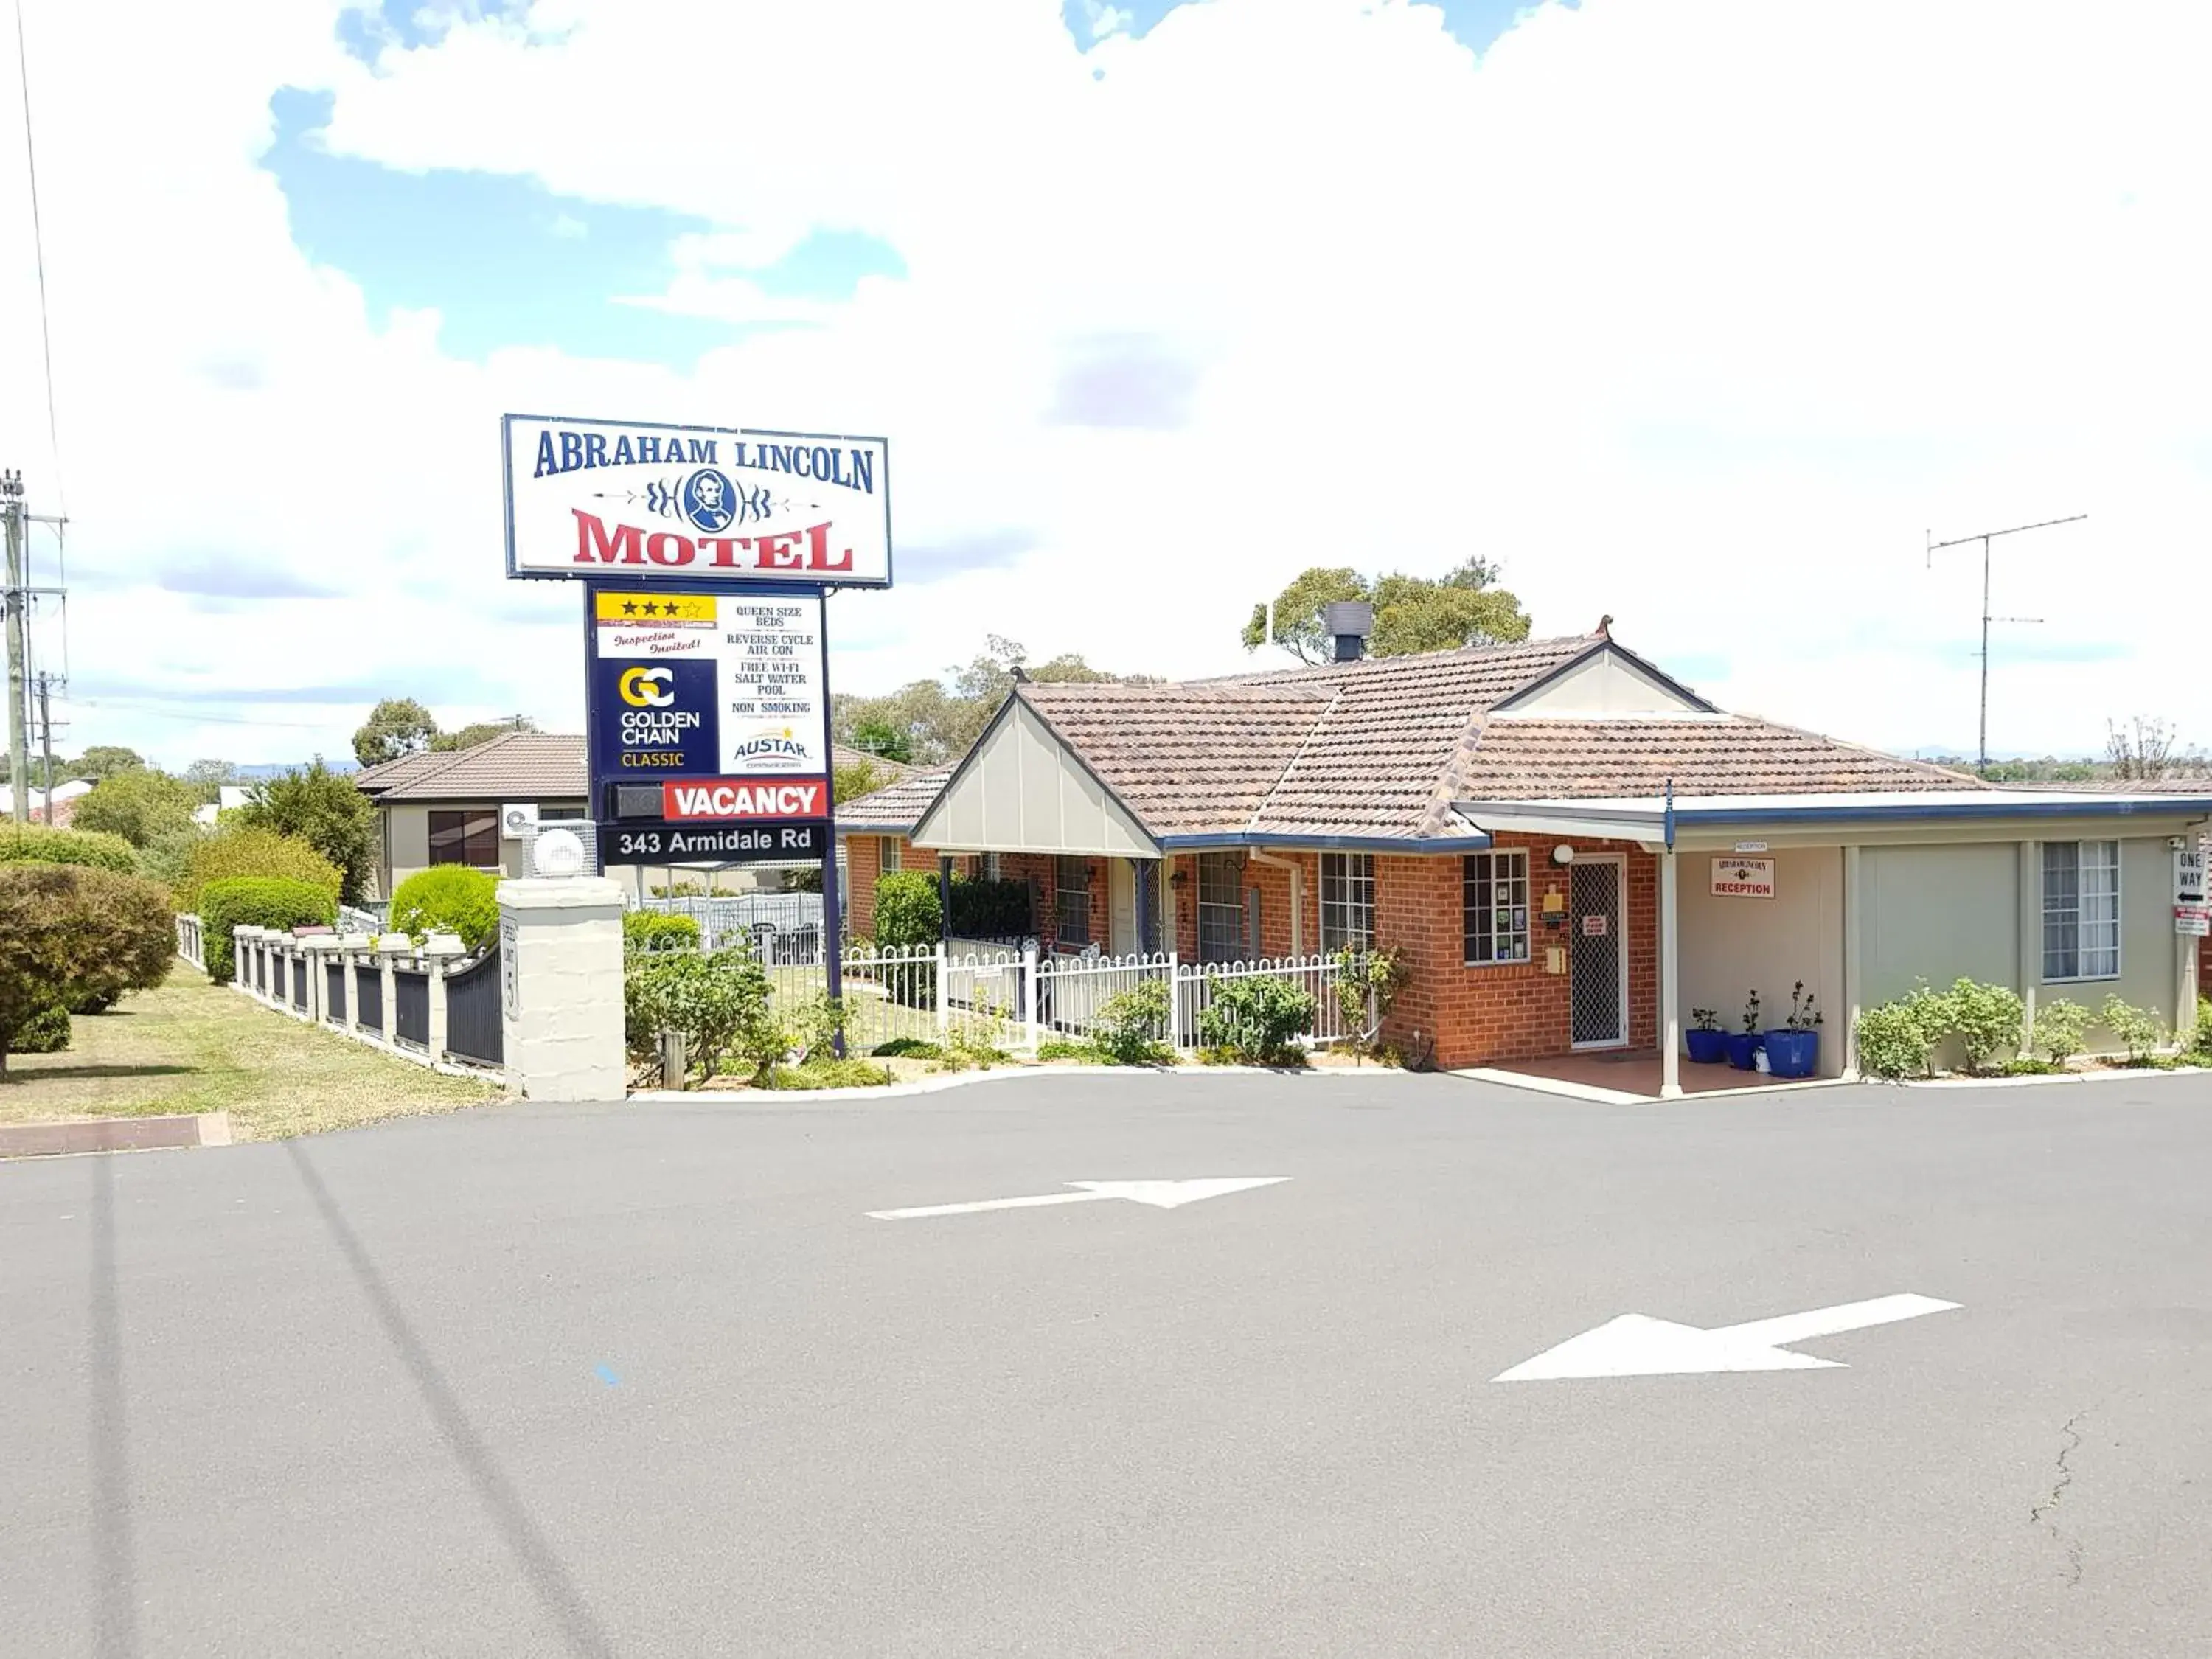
1072, 889
1495, 896
1347, 900
887, 854
2081, 909
1220, 907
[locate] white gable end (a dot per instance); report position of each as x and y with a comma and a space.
1024, 791
1603, 683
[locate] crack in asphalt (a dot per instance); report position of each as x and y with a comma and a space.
2041, 1513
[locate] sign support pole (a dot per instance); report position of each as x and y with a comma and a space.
595, 810
833, 900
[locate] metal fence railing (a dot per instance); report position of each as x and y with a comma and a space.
1016, 998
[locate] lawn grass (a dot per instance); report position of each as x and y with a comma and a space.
193, 1047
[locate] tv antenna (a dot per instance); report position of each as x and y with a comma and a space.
1985, 537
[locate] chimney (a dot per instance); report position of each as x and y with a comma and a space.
1348, 623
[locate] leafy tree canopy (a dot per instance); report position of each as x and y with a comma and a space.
323, 809
939, 721
396, 727
1465, 606
103, 760
139, 804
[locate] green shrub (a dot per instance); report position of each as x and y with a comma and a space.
2200, 1039
2138, 1031
1367, 982
1895, 1038
907, 1047
448, 898
825, 1074
653, 930
257, 902
138, 804
1132, 1023
1257, 1019
2059, 1028
1069, 1048
2026, 1066
327, 811
74, 934
131, 939
47, 1032
907, 910
982, 908
1984, 1018
718, 1001
34, 844
238, 850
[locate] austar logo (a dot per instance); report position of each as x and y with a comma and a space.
745, 798
778, 743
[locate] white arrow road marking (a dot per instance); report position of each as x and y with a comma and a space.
1160, 1194
1637, 1345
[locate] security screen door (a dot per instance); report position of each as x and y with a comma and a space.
1597, 986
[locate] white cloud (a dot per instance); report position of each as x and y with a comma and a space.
1697, 312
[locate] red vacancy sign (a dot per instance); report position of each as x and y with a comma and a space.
745, 798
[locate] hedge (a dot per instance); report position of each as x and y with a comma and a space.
450, 898
258, 901
655, 930
34, 844
982, 908
907, 910
240, 850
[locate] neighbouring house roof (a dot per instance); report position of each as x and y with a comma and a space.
519, 766
894, 809
1378, 751
843, 754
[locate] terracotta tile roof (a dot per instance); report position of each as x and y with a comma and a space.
896, 807
373, 780
1186, 759
1565, 759
521, 766
1383, 746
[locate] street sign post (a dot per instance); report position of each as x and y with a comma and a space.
707, 553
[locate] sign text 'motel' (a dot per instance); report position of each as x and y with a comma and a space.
718, 505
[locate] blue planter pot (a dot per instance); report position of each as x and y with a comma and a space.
1742, 1046
1707, 1047
1792, 1054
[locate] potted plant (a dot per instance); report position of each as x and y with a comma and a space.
1793, 1048
1743, 1046
1707, 1042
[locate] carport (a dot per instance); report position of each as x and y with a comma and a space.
1859, 894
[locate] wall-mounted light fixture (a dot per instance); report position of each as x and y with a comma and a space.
1563, 854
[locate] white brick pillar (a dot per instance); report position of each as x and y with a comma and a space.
560, 986
439, 951
316, 966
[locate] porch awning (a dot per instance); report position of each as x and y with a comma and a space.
1717, 821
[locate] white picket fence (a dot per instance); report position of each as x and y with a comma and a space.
1013, 998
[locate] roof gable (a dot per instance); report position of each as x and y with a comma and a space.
1024, 788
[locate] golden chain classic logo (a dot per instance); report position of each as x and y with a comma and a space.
645, 688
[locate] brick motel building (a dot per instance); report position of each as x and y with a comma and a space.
1571, 849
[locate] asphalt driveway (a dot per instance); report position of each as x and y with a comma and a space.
652, 1380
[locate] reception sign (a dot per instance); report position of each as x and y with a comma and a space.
1742, 878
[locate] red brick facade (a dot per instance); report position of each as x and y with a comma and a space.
1457, 1014
1463, 1015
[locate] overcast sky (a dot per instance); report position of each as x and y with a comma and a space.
1699, 313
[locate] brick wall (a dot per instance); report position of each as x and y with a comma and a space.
1505, 1010
860, 895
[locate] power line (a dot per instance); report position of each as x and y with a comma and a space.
38, 253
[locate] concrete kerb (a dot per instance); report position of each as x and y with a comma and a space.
2110, 1074
935, 1084
1592, 1093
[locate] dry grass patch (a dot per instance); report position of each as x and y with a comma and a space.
193, 1047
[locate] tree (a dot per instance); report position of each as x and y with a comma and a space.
139, 804
72, 934
323, 809
481, 731
941, 723
104, 760
2148, 749
852, 780
1465, 606
877, 736
209, 776
396, 727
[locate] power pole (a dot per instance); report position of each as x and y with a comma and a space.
18, 604
47, 737
1984, 538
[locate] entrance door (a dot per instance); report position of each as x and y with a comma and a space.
1597, 987
1121, 906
